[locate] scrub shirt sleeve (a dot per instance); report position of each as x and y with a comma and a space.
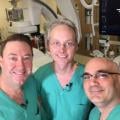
38, 83
2, 116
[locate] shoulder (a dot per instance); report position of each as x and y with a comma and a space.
30, 82
94, 114
79, 70
43, 69
80, 66
43, 72
115, 113
2, 116
30, 79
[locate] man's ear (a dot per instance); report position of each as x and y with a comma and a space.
1, 61
47, 46
77, 47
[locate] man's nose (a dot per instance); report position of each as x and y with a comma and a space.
20, 63
93, 80
62, 45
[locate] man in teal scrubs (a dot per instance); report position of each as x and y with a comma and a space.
18, 96
60, 86
102, 86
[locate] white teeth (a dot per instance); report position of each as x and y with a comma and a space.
19, 73
96, 91
62, 56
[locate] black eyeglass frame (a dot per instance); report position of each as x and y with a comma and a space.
96, 74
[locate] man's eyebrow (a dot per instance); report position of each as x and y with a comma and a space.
86, 73
104, 71
28, 54
107, 71
13, 54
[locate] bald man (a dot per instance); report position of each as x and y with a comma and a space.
102, 86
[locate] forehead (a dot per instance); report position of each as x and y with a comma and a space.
16, 46
62, 29
62, 33
99, 64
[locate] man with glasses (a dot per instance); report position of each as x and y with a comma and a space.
102, 86
60, 86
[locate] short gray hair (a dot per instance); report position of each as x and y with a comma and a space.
61, 21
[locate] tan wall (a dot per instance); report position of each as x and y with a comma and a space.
3, 22
81, 58
43, 22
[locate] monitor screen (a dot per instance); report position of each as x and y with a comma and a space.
109, 22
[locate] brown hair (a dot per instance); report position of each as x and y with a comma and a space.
16, 37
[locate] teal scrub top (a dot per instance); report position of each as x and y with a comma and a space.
68, 103
10, 110
113, 115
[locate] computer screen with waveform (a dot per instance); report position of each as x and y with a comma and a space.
109, 17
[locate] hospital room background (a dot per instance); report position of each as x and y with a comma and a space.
97, 21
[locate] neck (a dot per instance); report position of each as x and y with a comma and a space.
64, 75
14, 93
65, 69
105, 110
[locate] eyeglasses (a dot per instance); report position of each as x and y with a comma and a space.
101, 75
68, 44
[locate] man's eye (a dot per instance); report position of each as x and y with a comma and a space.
69, 44
86, 77
27, 58
13, 58
103, 75
57, 43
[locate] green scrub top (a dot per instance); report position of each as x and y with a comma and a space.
68, 103
113, 115
10, 110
